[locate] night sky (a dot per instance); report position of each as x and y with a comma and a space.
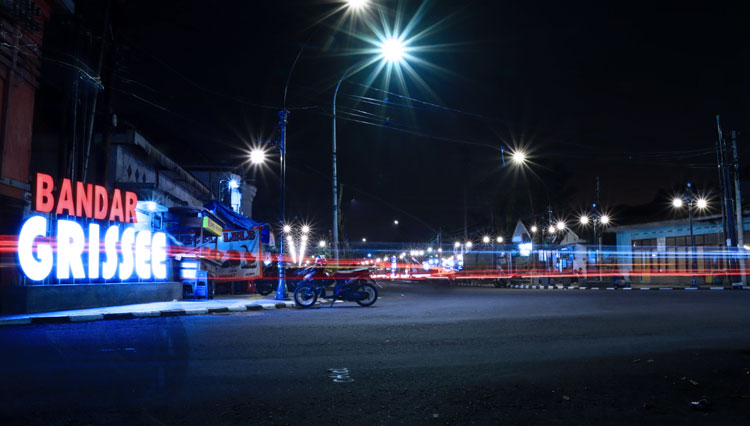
626, 92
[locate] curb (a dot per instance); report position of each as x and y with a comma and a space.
148, 314
560, 287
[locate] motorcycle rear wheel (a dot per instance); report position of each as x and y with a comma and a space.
370, 290
305, 296
263, 288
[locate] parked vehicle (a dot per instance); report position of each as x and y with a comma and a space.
353, 286
481, 266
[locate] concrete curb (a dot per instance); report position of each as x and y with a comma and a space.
273, 305
559, 287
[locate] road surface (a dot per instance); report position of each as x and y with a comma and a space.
423, 354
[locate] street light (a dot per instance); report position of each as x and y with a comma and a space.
533, 229
499, 239
519, 157
392, 50
560, 225
356, 4
597, 220
468, 244
257, 156
281, 293
321, 244
693, 202
551, 229
395, 221
457, 244
486, 239
305, 229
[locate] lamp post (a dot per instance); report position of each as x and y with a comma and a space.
693, 202
392, 51
281, 293
598, 221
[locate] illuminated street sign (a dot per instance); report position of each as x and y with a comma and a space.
125, 251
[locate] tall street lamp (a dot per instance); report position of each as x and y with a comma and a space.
281, 293
693, 202
598, 221
392, 51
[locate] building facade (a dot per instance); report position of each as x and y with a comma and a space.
661, 252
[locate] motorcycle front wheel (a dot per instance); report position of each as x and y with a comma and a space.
305, 296
370, 292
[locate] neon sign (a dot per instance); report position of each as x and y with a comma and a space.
125, 251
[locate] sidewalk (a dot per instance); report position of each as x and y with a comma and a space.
236, 303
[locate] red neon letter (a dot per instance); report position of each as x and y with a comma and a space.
43, 199
65, 198
83, 199
131, 199
101, 202
116, 211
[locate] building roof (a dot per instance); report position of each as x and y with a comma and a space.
664, 223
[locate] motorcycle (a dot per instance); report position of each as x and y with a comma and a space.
354, 285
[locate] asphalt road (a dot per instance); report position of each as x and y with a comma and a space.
423, 354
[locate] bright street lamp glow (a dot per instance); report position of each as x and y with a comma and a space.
429, 249
519, 157
584, 220
287, 228
468, 244
499, 239
702, 203
321, 243
677, 202
393, 50
364, 240
533, 228
357, 4
257, 156
305, 229
560, 225
551, 229
604, 219
486, 239
456, 244
395, 222
233, 184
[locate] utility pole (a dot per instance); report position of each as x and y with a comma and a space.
598, 236
723, 213
92, 114
730, 231
738, 208
731, 235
